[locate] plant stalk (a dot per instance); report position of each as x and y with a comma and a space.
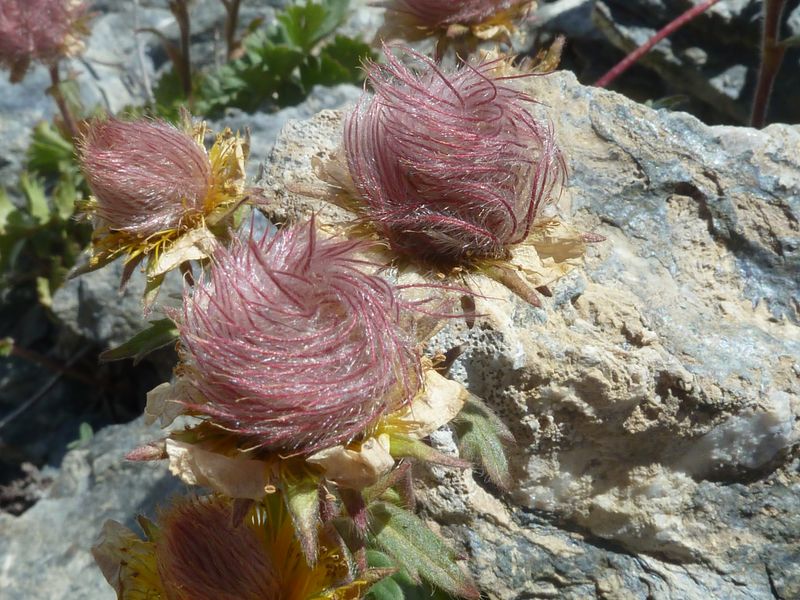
183, 64
668, 30
772, 53
231, 23
61, 102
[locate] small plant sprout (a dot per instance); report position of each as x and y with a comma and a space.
454, 170
462, 22
210, 548
158, 194
45, 32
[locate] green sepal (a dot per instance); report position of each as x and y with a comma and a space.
302, 501
398, 586
160, 333
151, 531
482, 439
422, 554
404, 446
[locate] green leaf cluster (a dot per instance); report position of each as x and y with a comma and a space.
280, 64
39, 238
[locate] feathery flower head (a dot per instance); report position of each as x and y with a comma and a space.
201, 549
146, 176
450, 165
482, 19
153, 184
291, 345
39, 31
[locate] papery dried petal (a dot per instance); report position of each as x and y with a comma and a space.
450, 165
291, 344
39, 30
146, 175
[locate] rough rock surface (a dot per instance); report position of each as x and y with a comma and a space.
654, 398
45, 551
714, 58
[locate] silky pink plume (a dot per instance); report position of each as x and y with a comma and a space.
451, 165
37, 30
202, 554
437, 14
147, 176
293, 346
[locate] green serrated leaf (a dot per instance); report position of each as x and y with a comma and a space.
304, 26
64, 197
6, 346
33, 189
790, 42
417, 550
160, 333
44, 292
482, 438
48, 150
403, 446
7, 208
302, 501
350, 54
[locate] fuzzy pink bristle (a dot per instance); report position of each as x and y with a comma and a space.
36, 30
146, 175
450, 164
291, 344
437, 14
203, 555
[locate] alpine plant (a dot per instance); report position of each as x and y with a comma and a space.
42, 31
469, 21
293, 346
209, 549
450, 165
154, 185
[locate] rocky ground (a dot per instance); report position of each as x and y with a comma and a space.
654, 397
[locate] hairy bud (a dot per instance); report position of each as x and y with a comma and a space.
435, 14
290, 344
450, 165
39, 31
212, 548
146, 176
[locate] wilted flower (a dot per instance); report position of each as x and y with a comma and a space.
201, 549
451, 166
292, 345
152, 184
482, 19
39, 31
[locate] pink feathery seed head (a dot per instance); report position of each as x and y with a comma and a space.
450, 164
293, 345
437, 14
39, 30
146, 175
202, 554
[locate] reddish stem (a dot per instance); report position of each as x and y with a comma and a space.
61, 102
772, 53
669, 29
180, 11
232, 20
